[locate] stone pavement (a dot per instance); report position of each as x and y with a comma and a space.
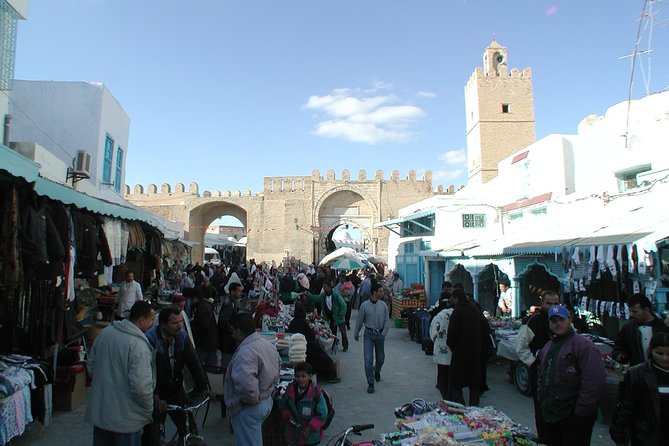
407, 374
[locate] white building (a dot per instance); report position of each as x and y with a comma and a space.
597, 187
11, 11
80, 123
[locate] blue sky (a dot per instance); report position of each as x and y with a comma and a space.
227, 92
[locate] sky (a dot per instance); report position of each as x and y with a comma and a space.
224, 93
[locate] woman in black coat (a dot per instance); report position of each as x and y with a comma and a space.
642, 409
465, 338
318, 358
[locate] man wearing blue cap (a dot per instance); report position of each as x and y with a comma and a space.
572, 381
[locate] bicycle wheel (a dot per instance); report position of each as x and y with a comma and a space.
523, 379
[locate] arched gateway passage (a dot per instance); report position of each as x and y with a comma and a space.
343, 208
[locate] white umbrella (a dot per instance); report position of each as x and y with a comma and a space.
343, 252
372, 258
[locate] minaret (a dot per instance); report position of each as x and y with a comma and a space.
500, 113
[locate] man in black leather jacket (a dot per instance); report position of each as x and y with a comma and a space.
631, 345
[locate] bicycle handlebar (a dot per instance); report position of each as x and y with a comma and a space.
361, 427
176, 407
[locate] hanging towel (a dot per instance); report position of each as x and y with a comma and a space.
610, 262
601, 257
576, 256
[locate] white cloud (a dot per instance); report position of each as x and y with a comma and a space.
365, 116
447, 175
426, 95
454, 158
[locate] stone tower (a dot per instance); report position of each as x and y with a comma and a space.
500, 113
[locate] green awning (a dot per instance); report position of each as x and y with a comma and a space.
66, 195
18, 165
396, 221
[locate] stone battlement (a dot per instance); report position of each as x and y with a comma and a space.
515, 73
290, 184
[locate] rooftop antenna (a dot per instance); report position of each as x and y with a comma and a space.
645, 18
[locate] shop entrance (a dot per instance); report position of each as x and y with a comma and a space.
460, 275
488, 287
534, 281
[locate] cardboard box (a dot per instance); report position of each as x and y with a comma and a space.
69, 396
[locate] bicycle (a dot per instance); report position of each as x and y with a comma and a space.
188, 438
343, 440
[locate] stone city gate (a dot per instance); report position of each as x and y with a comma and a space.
292, 216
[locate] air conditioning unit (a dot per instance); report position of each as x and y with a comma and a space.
82, 163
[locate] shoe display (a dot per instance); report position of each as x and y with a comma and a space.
370, 388
377, 376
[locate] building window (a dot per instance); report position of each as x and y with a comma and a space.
627, 178
505, 108
119, 169
473, 221
8, 19
408, 248
107, 164
538, 211
516, 216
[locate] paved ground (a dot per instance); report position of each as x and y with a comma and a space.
407, 374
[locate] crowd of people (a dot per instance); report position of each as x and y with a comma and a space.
138, 364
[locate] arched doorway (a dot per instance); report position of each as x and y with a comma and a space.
460, 275
534, 281
488, 287
343, 208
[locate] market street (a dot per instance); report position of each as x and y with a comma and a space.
407, 374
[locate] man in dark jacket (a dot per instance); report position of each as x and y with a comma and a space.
205, 331
465, 337
226, 342
632, 342
531, 338
572, 381
174, 350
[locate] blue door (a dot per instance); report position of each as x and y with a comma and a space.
437, 270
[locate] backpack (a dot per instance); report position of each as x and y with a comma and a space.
328, 402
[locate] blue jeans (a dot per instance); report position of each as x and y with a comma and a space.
374, 343
102, 437
247, 423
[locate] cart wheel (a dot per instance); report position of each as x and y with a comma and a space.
523, 379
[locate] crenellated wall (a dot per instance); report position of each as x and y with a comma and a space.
294, 213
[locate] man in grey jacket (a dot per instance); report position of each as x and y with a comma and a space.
249, 381
373, 314
120, 402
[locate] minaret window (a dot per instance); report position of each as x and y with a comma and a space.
505, 108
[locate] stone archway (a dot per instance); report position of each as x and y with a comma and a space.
201, 216
339, 206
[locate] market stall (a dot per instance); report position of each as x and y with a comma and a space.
448, 423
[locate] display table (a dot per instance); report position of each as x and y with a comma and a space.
450, 423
